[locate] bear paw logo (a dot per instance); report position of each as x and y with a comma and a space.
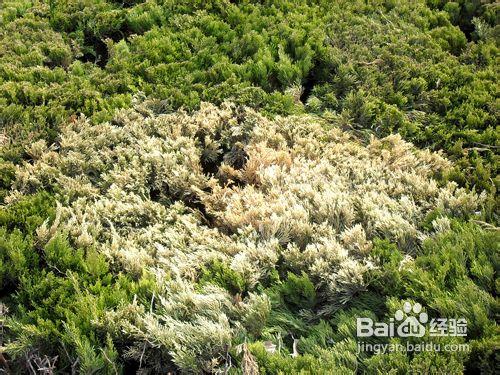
411, 326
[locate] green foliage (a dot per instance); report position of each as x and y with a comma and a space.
18, 223
59, 290
459, 266
425, 69
28, 213
464, 12
16, 255
410, 73
7, 173
456, 266
284, 364
298, 291
220, 274
388, 278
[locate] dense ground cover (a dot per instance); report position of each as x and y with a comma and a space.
160, 240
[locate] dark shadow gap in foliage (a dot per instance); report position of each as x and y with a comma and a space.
131, 367
308, 86
468, 30
96, 47
318, 75
128, 3
96, 51
194, 202
211, 166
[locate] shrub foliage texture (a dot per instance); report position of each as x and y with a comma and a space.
225, 186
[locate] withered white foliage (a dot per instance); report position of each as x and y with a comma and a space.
170, 193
